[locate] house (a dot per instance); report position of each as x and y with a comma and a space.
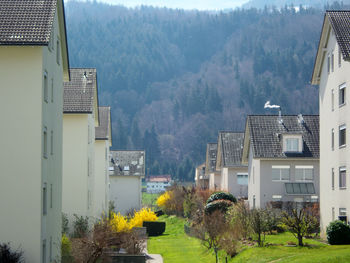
234, 174
80, 117
127, 168
282, 153
33, 65
331, 73
200, 179
213, 176
103, 142
158, 183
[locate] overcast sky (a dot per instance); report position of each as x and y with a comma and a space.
184, 4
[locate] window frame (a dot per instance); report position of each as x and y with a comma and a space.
332, 139
342, 180
342, 95
332, 61
280, 167
339, 56
342, 129
333, 179
245, 178
46, 87
44, 201
45, 143
303, 168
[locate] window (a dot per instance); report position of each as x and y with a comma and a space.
304, 173
342, 135
339, 57
342, 215
332, 62
328, 64
44, 251
44, 199
280, 173
242, 179
292, 145
332, 139
46, 87
332, 99
50, 256
342, 177
333, 213
342, 95
58, 53
45, 143
51, 143
52, 90
332, 178
299, 188
51, 194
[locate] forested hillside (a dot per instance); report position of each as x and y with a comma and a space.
174, 78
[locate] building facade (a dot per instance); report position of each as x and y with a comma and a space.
331, 73
211, 174
33, 65
282, 154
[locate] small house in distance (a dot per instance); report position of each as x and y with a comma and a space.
213, 176
127, 168
200, 178
158, 183
282, 153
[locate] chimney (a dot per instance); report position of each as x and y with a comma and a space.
301, 119
280, 120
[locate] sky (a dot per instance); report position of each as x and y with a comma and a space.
183, 4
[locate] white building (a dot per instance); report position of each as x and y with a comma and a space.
158, 183
331, 73
103, 142
79, 121
33, 65
127, 168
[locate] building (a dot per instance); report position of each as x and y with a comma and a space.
234, 174
80, 117
158, 183
331, 73
103, 142
200, 179
282, 153
33, 65
127, 168
214, 177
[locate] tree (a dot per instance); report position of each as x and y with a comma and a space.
300, 221
259, 224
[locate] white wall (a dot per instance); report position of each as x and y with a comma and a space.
229, 181
125, 192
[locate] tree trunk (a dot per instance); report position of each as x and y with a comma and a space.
300, 241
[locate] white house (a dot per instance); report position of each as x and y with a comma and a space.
200, 179
158, 183
211, 174
127, 168
79, 121
331, 73
233, 174
282, 154
33, 65
103, 142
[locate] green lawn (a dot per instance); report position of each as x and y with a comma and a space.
175, 246
149, 200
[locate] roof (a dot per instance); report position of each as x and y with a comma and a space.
128, 163
212, 149
26, 21
159, 178
80, 92
231, 145
264, 132
339, 21
102, 131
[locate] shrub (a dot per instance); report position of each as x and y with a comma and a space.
154, 228
221, 196
221, 205
66, 249
65, 222
239, 216
9, 256
338, 233
145, 214
119, 223
163, 199
80, 226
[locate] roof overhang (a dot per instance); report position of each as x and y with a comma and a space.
63, 35
246, 144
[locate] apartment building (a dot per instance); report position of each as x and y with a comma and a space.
331, 73
80, 118
103, 142
282, 154
33, 65
234, 174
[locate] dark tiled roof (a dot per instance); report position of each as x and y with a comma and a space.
231, 147
266, 133
128, 163
212, 150
26, 22
78, 96
340, 21
101, 132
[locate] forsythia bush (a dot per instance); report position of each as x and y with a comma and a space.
119, 223
66, 246
145, 214
163, 199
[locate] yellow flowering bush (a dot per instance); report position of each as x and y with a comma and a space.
163, 199
66, 246
145, 214
119, 223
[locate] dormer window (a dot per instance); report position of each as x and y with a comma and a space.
292, 143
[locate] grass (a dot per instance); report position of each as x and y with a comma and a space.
176, 247
149, 200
